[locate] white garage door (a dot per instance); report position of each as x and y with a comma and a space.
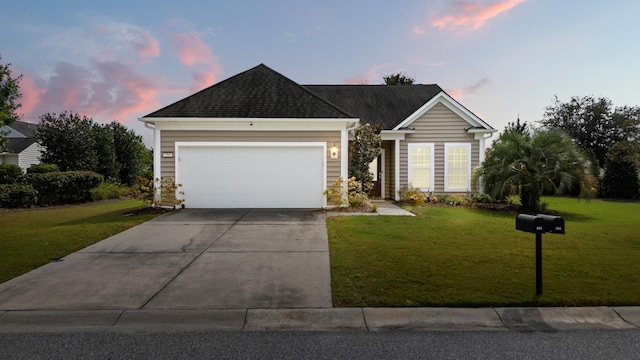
252, 176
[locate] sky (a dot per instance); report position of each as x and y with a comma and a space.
501, 59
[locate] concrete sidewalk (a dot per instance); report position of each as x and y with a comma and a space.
325, 319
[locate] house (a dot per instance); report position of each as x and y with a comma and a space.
259, 139
22, 148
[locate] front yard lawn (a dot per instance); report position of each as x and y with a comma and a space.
31, 238
453, 256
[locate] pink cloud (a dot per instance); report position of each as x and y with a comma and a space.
107, 90
459, 94
31, 94
194, 53
417, 30
468, 16
190, 49
358, 80
148, 47
372, 74
204, 79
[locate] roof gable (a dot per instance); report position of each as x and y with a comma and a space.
386, 105
443, 98
259, 92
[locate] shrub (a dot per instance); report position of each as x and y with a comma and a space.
64, 187
107, 190
412, 196
17, 195
356, 197
145, 190
42, 168
9, 173
482, 198
456, 200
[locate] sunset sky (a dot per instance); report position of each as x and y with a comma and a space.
120, 60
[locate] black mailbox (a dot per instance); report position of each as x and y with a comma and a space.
530, 223
553, 224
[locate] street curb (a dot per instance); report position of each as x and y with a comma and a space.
519, 319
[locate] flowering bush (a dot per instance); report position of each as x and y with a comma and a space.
412, 196
355, 196
146, 188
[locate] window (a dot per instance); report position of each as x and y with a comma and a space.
420, 169
457, 172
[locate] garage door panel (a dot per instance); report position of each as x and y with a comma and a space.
252, 176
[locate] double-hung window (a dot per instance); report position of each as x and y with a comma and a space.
421, 163
457, 167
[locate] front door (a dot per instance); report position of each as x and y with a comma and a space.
375, 168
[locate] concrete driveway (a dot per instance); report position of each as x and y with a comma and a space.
191, 259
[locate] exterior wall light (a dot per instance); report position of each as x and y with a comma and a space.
334, 151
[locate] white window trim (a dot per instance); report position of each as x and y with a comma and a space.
410, 148
448, 146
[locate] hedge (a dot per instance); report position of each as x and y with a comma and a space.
9, 173
42, 168
17, 195
63, 187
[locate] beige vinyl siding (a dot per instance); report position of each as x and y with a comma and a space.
438, 126
168, 139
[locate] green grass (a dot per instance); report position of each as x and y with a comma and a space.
452, 256
32, 238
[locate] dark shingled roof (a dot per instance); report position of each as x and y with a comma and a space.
386, 105
17, 144
259, 92
24, 128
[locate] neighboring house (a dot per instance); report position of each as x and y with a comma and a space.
23, 150
260, 140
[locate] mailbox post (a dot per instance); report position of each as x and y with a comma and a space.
539, 224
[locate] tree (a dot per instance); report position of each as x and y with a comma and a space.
517, 127
73, 142
620, 178
594, 124
398, 79
107, 163
68, 141
528, 165
364, 148
131, 153
9, 95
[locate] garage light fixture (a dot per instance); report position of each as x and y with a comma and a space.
334, 151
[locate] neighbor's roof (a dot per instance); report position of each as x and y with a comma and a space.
386, 105
20, 136
259, 92
21, 129
18, 145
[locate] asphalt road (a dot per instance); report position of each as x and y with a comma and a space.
600, 344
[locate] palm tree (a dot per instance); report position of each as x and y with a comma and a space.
528, 165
